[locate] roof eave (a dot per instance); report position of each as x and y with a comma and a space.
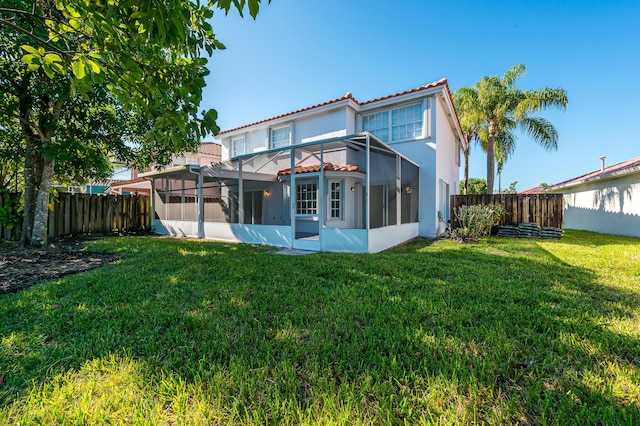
607, 176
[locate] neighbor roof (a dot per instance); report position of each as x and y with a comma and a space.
623, 168
210, 148
349, 96
535, 190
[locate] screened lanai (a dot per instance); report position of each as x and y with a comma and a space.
352, 194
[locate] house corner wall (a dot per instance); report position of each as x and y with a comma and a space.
447, 160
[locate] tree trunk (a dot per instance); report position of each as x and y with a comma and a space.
491, 156
41, 214
466, 170
31, 180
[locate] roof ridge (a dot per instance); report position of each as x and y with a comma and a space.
346, 96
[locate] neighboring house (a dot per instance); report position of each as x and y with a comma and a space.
342, 175
605, 201
207, 153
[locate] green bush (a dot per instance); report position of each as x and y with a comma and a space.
475, 221
11, 214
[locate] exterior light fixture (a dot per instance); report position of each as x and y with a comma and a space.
353, 189
408, 190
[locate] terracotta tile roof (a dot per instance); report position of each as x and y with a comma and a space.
328, 167
441, 82
627, 165
348, 95
210, 148
535, 190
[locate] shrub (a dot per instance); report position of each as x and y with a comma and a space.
475, 221
11, 213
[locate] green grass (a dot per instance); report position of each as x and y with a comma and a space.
194, 332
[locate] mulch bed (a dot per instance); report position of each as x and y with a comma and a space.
21, 268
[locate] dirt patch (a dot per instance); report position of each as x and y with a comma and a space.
21, 268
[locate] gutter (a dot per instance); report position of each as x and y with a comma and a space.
606, 176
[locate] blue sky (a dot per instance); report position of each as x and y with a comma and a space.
299, 53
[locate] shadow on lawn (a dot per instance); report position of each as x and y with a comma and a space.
527, 334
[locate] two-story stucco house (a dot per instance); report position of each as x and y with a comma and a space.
342, 175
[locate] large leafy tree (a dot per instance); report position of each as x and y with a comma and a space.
498, 107
89, 79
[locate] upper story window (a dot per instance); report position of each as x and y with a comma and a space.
190, 159
396, 124
237, 146
280, 136
378, 124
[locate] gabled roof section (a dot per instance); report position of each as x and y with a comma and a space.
348, 96
623, 168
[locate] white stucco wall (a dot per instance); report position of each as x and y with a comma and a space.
321, 125
609, 206
447, 152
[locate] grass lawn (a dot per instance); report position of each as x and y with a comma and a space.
198, 332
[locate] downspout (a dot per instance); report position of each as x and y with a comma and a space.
198, 172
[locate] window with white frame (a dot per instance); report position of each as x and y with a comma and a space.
378, 124
335, 199
237, 146
280, 136
397, 124
307, 198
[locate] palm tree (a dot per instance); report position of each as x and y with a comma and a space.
465, 100
500, 106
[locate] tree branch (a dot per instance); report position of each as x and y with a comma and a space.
31, 35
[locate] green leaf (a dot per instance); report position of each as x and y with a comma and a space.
52, 57
30, 49
29, 59
78, 69
48, 71
94, 66
254, 7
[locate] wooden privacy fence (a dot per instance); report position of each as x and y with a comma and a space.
79, 214
543, 209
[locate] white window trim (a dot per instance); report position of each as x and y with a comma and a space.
232, 145
282, 126
426, 118
307, 182
340, 199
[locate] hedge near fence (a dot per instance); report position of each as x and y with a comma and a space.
543, 209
